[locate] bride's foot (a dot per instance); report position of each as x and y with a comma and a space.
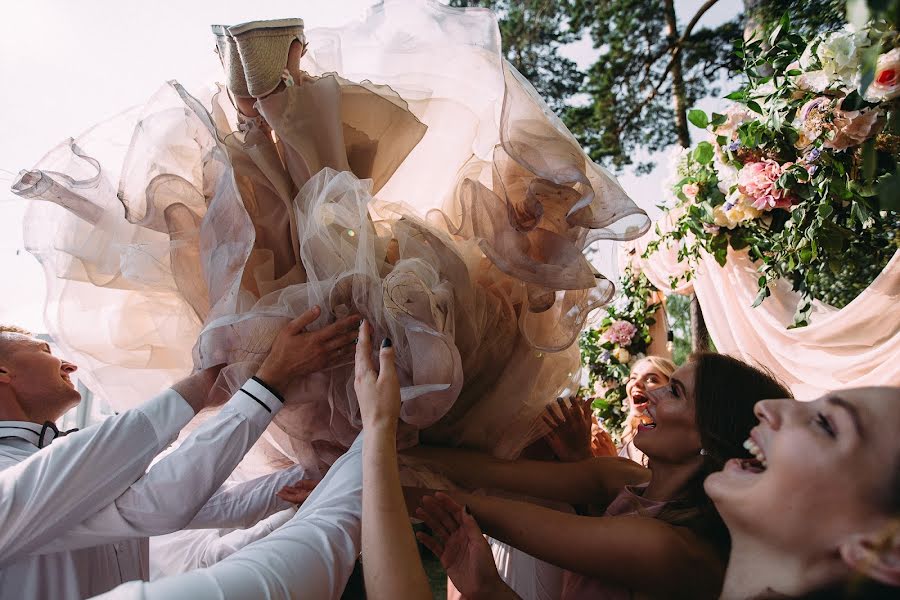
258, 57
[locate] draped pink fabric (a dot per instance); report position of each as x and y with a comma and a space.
858, 345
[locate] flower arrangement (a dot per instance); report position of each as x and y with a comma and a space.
802, 170
620, 340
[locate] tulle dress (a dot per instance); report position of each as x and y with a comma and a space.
414, 176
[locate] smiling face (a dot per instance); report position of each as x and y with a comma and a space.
39, 381
823, 471
671, 435
643, 378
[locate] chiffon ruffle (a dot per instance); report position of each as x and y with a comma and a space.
444, 202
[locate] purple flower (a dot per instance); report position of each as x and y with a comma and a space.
813, 155
728, 205
604, 356
733, 146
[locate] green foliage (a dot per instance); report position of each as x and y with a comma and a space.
678, 308
533, 32
631, 89
608, 357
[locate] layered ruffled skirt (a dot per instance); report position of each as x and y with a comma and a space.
414, 177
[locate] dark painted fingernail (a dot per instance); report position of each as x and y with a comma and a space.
356, 341
387, 343
466, 510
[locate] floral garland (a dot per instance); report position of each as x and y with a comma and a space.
802, 172
611, 349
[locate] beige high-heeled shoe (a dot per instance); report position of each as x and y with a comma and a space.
263, 48
235, 80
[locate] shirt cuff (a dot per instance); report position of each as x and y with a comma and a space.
168, 413
256, 402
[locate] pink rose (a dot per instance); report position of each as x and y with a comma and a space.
852, 128
690, 190
886, 84
620, 332
757, 181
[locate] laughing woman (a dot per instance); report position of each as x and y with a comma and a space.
816, 514
659, 534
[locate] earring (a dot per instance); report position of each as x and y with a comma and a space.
703, 452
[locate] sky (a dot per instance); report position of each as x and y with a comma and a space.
65, 66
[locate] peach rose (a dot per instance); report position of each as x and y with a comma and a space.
757, 181
886, 84
852, 128
690, 190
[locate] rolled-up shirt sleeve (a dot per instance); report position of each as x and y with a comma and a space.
172, 492
66, 482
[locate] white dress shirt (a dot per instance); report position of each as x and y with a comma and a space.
241, 513
190, 549
52, 548
311, 556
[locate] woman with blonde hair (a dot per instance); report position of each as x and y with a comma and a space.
647, 374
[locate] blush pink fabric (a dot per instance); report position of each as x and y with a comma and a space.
858, 345
630, 501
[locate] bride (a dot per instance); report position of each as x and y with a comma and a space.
397, 167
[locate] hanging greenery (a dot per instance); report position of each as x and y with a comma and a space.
620, 340
802, 171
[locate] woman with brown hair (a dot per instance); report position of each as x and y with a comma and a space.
656, 533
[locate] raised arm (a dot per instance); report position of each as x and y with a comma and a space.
387, 536
642, 554
169, 496
65, 482
311, 556
595, 480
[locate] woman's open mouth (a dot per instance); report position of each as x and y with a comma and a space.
647, 421
758, 463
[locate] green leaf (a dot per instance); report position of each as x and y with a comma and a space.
853, 101
698, 118
825, 210
718, 119
704, 153
762, 295
754, 106
738, 95
889, 192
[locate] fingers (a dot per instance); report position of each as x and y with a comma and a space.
341, 327
551, 418
433, 523
437, 517
306, 484
387, 371
342, 356
364, 350
450, 506
431, 543
342, 340
303, 321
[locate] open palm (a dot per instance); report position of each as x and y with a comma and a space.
460, 546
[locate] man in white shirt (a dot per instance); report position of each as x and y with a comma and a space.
75, 515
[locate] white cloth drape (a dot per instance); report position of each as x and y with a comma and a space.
858, 345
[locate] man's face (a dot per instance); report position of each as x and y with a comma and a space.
40, 381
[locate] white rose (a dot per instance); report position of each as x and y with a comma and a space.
839, 52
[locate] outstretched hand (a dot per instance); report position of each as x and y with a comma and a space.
460, 545
297, 493
297, 352
570, 429
378, 392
